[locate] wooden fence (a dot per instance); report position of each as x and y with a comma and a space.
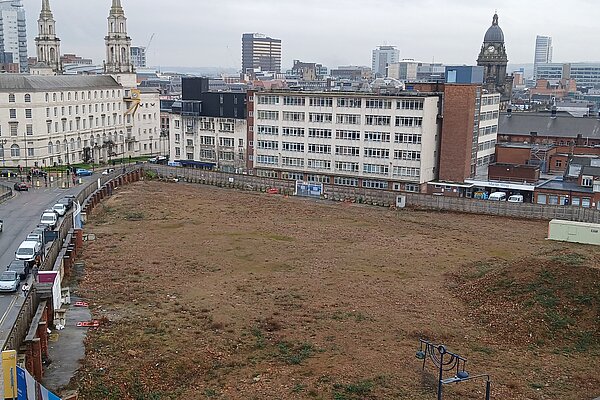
385, 198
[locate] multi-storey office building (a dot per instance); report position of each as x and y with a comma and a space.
383, 56
585, 74
543, 52
48, 120
208, 129
260, 52
349, 139
13, 32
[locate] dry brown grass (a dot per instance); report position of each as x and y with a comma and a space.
215, 293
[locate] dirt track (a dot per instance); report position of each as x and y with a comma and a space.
215, 293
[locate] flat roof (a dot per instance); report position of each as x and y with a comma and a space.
556, 184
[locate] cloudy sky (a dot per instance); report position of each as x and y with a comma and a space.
207, 33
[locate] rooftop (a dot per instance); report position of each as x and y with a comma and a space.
22, 82
543, 124
557, 184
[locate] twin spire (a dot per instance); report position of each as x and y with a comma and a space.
118, 44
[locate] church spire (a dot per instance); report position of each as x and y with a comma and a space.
118, 44
47, 44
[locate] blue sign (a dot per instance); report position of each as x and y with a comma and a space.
21, 384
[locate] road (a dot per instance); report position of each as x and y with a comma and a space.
21, 214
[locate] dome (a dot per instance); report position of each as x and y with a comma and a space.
494, 33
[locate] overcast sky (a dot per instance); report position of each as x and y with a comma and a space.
207, 33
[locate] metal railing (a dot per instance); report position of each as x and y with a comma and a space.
27, 311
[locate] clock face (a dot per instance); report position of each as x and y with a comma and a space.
491, 49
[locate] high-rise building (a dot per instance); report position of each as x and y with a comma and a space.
47, 44
118, 44
543, 52
138, 56
13, 33
260, 51
382, 57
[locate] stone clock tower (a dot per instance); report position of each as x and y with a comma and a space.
493, 59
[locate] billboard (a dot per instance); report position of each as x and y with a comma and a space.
306, 189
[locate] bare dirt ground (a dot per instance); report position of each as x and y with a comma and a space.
215, 293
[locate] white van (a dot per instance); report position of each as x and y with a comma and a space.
497, 196
515, 198
49, 218
29, 250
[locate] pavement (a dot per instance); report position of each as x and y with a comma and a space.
66, 348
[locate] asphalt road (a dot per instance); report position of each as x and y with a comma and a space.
21, 214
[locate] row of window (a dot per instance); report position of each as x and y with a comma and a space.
210, 154
488, 130
491, 144
489, 116
384, 104
341, 134
347, 119
342, 166
338, 180
77, 96
490, 100
371, 152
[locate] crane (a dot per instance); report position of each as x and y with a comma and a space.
150, 41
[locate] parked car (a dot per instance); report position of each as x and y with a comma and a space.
29, 250
50, 218
497, 196
20, 186
60, 209
67, 201
37, 236
9, 281
83, 172
108, 171
515, 198
20, 267
7, 173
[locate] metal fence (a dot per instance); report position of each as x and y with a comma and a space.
386, 198
5, 192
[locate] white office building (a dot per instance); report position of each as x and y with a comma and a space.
350, 139
543, 52
13, 33
383, 56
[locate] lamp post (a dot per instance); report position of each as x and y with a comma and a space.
446, 361
3, 142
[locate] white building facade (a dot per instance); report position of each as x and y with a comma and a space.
488, 130
214, 142
61, 120
348, 139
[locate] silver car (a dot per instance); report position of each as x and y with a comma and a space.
9, 281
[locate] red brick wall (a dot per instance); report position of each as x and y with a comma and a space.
512, 155
457, 132
513, 173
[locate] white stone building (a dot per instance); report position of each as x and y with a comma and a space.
48, 120
350, 139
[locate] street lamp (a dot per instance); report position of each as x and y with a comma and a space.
446, 361
3, 143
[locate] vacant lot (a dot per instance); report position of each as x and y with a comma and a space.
215, 293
